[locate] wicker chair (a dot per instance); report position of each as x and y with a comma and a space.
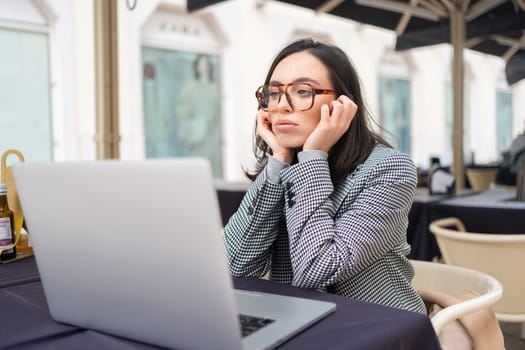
499, 255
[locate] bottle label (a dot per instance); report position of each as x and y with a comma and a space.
5, 233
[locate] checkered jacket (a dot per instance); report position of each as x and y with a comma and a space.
348, 240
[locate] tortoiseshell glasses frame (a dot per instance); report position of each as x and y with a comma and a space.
300, 96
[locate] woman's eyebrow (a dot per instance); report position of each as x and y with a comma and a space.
297, 80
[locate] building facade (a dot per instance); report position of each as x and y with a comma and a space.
187, 82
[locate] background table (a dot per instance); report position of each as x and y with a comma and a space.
491, 211
423, 248
355, 325
229, 196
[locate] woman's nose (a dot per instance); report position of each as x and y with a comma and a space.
284, 104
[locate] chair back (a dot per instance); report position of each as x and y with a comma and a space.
499, 255
455, 280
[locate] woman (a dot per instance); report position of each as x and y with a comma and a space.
329, 204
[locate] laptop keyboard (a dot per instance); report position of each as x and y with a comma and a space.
250, 324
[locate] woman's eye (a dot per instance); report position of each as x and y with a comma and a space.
304, 93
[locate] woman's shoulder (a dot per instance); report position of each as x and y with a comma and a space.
386, 160
382, 152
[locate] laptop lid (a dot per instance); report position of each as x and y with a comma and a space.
133, 248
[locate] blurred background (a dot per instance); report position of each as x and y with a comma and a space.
137, 79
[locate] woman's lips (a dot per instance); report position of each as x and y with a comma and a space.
285, 125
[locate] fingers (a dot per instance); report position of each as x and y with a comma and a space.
338, 113
343, 110
325, 113
264, 130
264, 125
335, 120
262, 117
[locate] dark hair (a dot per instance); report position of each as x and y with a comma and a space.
358, 141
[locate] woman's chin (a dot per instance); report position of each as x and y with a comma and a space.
292, 143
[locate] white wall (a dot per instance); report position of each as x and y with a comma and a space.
267, 29
428, 104
253, 35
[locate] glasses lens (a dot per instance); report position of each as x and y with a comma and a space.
301, 96
273, 96
268, 96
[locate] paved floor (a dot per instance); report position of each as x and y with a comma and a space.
511, 332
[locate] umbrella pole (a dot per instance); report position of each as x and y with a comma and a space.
457, 32
106, 78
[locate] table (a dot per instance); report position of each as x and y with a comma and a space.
424, 246
490, 211
420, 239
355, 324
230, 196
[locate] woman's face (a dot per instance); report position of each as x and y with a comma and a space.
292, 128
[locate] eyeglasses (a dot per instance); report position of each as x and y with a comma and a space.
300, 96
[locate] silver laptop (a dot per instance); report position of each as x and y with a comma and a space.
133, 248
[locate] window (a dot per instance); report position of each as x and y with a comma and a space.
395, 111
395, 108
182, 105
181, 66
25, 120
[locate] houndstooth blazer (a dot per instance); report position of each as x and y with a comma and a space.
349, 240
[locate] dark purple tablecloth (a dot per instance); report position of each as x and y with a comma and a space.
491, 211
27, 324
355, 324
229, 201
18, 272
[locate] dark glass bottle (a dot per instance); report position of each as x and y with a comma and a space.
7, 233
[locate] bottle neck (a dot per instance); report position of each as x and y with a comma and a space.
3, 202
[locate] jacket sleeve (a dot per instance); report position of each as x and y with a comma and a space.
326, 246
252, 229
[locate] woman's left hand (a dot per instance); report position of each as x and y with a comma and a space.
332, 124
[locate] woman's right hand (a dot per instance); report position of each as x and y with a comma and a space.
264, 130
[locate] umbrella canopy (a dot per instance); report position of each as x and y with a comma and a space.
495, 27
193, 5
515, 69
